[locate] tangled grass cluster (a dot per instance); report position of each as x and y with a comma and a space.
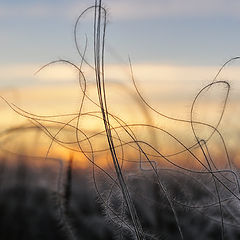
133, 198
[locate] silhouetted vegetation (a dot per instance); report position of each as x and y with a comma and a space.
154, 197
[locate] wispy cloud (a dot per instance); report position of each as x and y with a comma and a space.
144, 73
13, 73
39, 10
24, 10
125, 10
137, 9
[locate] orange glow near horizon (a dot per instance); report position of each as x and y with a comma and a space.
30, 120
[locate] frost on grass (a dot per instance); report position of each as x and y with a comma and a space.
144, 192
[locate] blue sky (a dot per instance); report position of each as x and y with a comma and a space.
179, 32
174, 33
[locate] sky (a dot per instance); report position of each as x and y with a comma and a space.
179, 41
176, 48
180, 32
173, 33
183, 41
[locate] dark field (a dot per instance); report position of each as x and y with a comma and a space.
147, 179
31, 208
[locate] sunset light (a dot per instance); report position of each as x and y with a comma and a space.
119, 119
